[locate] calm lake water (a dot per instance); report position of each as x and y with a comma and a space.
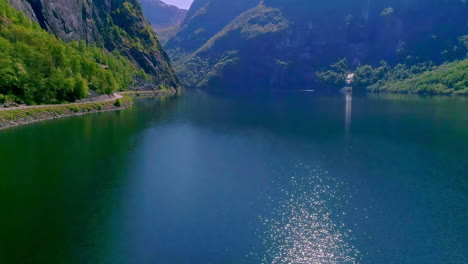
214, 177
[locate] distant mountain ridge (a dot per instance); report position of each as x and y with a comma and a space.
162, 15
204, 19
283, 42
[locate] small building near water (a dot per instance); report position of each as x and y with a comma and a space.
350, 79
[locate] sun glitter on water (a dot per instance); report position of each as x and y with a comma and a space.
304, 223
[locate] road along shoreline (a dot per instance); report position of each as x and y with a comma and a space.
12, 117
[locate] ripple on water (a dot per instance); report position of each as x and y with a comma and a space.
304, 221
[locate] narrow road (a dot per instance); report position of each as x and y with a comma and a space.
116, 96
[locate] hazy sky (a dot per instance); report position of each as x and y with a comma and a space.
185, 4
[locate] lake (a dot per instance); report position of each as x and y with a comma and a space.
233, 177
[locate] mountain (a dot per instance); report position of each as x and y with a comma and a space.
38, 68
162, 15
284, 42
204, 19
116, 25
164, 18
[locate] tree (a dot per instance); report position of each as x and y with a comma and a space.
81, 87
336, 76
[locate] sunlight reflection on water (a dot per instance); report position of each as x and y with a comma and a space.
348, 113
305, 224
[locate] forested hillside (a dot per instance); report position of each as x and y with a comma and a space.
55, 51
449, 78
112, 24
283, 43
37, 68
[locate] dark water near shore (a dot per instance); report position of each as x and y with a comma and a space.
213, 177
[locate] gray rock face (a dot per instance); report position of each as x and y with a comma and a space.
112, 24
67, 19
25, 7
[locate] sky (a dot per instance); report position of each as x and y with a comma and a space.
184, 4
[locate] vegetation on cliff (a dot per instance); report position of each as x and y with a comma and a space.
421, 78
126, 29
38, 68
222, 52
448, 78
451, 77
114, 25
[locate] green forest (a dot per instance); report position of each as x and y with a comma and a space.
448, 78
38, 68
422, 78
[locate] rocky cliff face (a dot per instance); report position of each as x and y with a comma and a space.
283, 42
112, 24
162, 15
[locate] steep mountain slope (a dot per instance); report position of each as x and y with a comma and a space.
283, 42
112, 24
204, 19
38, 68
162, 15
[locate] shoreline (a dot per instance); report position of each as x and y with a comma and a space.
32, 114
